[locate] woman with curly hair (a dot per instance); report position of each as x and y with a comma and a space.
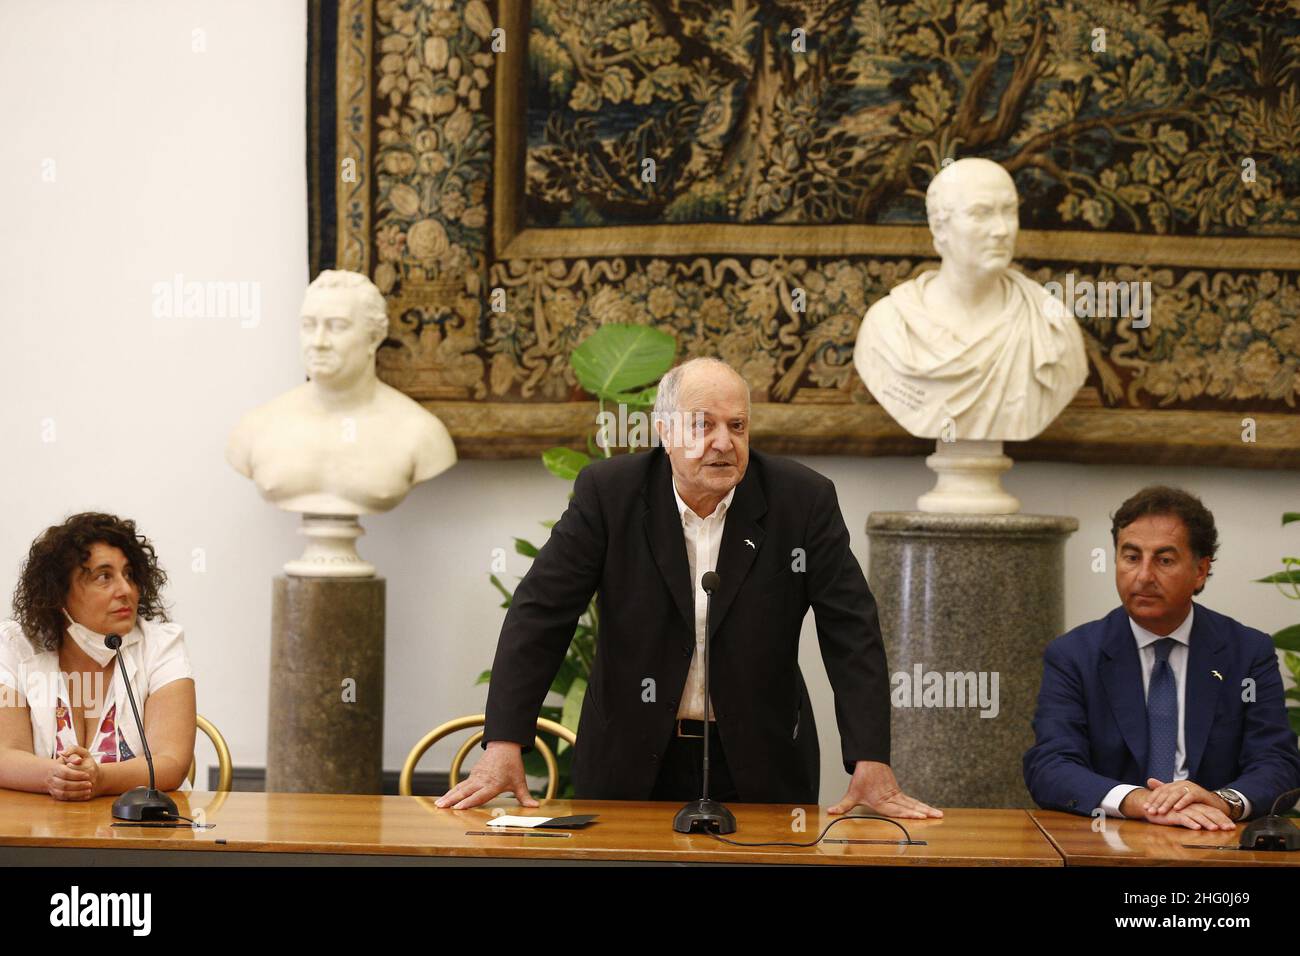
66, 726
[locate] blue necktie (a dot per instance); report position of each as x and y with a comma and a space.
1162, 715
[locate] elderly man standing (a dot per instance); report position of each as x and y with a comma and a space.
641, 530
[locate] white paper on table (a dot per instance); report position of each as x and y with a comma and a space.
508, 821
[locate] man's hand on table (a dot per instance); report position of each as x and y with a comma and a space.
873, 786
1181, 803
500, 769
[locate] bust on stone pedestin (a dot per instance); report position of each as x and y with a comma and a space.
342, 443
975, 350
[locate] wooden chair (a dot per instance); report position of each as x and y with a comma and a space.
478, 720
225, 767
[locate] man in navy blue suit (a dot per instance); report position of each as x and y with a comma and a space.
1162, 710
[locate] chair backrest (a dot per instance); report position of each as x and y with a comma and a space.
478, 720
225, 767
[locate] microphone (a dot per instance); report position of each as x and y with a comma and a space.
142, 803
1273, 832
705, 814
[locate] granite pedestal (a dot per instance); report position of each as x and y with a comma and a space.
326, 730
967, 604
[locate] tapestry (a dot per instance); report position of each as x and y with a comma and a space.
750, 176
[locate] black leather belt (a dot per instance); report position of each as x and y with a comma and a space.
696, 728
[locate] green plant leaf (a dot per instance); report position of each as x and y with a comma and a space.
534, 765
502, 588
565, 462
1292, 662
1288, 639
548, 525
1281, 577
1292, 693
619, 358
643, 398
1290, 516
568, 670
1293, 713
526, 548
484, 677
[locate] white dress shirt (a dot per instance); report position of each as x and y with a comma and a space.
703, 541
1178, 664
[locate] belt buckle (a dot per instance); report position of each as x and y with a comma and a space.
685, 735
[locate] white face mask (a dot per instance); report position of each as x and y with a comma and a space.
89, 641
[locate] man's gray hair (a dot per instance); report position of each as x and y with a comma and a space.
668, 398
374, 307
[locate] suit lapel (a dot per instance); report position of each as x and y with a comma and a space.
1206, 654
1121, 680
742, 537
663, 529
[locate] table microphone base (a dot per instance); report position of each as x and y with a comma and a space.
1270, 833
144, 804
703, 816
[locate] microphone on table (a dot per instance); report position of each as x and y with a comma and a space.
705, 814
1272, 832
142, 803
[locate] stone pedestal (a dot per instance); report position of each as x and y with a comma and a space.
326, 729
967, 604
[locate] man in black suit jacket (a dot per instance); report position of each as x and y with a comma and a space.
636, 528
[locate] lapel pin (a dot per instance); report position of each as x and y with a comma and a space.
1217, 674
750, 543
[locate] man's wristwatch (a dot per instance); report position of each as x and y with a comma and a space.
1236, 806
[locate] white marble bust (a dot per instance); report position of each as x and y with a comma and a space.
976, 350
343, 443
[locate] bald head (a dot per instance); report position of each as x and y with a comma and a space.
690, 376
702, 415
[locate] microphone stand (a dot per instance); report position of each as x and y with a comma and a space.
142, 803
705, 814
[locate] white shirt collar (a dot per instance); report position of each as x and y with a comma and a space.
1182, 633
719, 512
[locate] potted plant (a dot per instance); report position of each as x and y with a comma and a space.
1287, 640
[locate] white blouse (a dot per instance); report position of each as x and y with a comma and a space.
154, 655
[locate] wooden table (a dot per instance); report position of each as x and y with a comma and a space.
319, 829
1138, 843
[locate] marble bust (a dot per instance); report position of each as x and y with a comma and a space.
342, 443
975, 350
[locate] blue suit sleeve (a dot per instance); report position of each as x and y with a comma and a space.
1058, 770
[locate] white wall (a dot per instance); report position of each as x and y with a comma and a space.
169, 161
